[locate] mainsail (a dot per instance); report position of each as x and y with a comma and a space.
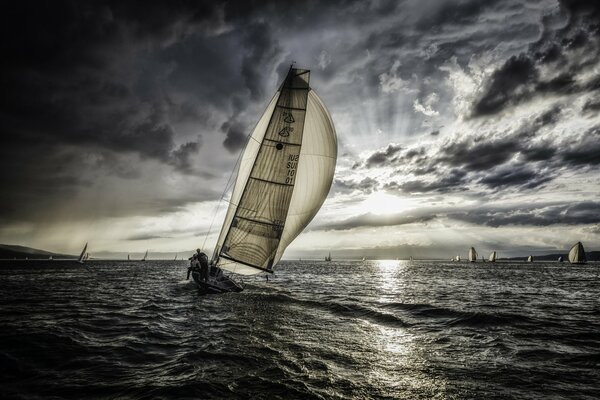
145, 255
493, 256
472, 255
577, 254
530, 259
284, 176
82, 255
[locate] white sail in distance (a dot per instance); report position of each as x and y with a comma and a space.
472, 255
577, 254
145, 255
284, 176
82, 255
530, 259
493, 257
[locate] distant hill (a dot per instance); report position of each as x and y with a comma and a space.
8, 251
590, 255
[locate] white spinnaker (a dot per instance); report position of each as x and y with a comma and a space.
472, 254
315, 171
577, 254
314, 176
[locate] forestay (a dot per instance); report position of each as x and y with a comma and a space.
284, 176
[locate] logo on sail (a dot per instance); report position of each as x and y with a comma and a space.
285, 131
288, 117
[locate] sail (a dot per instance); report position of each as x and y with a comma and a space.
577, 254
284, 176
128, 259
472, 255
530, 259
493, 256
560, 258
80, 259
457, 258
145, 255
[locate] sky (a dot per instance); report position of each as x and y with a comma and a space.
460, 123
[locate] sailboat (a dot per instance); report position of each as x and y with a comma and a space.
493, 257
530, 259
411, 258
560, 258
472, 255
128, 258
285, 174
145, 255
363, 259
577, 254
81, 258
328, 257
175, 259
457, 258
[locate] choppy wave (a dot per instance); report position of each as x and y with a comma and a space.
340, 330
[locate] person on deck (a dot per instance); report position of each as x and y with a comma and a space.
203, 260
194, 266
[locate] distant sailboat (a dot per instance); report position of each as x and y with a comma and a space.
577, 254
457, 258
328, 257
472, 255
50, 258
530, 259
560, 258
81, 258
411, 258
128, 258
175, 259
364, 259
493, 257
145, 255
284, 176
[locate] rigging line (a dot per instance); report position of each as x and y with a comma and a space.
237, 162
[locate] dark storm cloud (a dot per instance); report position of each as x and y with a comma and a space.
145, 237
550, 65
372, 220
452, 181
535, 215
515, 176
382, 157
182, 157
366, 185
509, 84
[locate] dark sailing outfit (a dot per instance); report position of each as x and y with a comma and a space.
203, 260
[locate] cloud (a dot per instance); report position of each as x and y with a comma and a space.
366, 185
391, 81
372, 220
586, 212
383, 157
181, 157
427, 107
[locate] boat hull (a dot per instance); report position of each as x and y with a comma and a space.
216, 284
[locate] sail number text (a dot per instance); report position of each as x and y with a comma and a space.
292, 166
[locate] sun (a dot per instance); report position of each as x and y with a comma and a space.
382, 203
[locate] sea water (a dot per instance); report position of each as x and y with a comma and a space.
374, 329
